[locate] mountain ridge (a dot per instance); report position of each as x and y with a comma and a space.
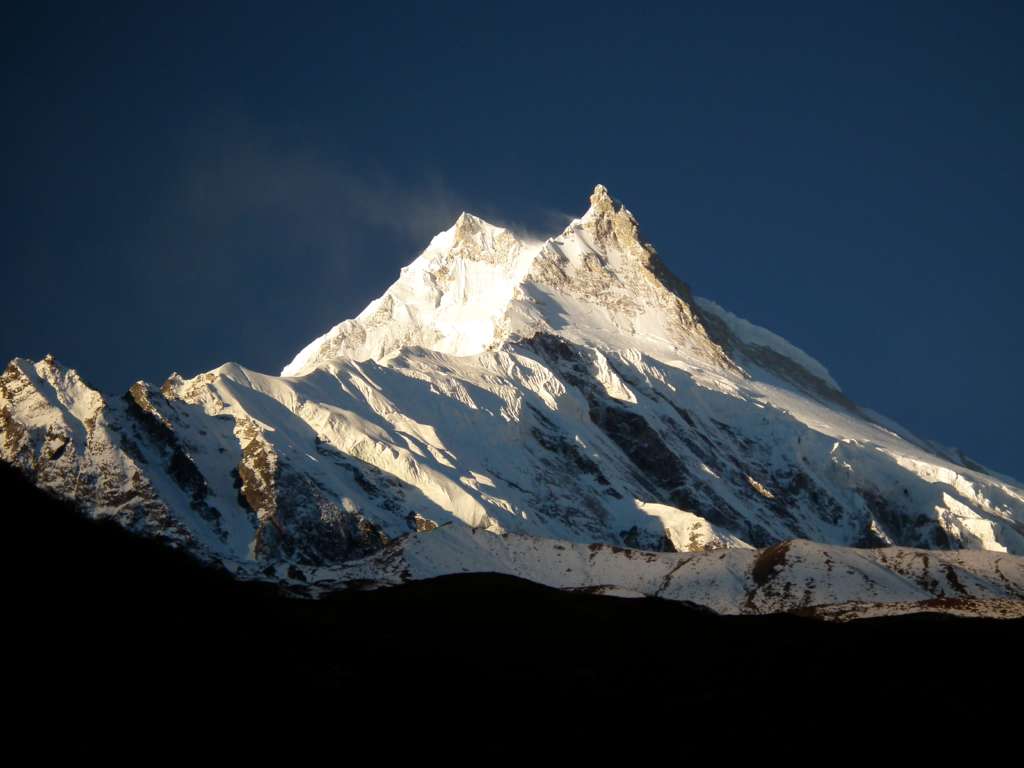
600, 258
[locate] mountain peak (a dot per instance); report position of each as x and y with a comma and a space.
613, 226
600, 198
468, 226
603, 204
605, 208
477, 283
467, 220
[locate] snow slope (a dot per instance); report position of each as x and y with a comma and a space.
798, 575
570, 390
754, 335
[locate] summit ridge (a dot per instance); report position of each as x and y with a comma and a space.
477, 284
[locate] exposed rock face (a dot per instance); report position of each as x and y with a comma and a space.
198, 472
568, 390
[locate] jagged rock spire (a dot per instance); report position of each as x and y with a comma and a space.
615, 227
600, 200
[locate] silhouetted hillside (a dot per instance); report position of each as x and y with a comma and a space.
98, 608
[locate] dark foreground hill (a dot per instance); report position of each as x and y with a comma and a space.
95, 607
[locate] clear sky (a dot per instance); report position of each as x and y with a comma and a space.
184, 186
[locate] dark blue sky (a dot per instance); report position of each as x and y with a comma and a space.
187, 186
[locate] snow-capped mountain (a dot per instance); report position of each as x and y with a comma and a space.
571, 395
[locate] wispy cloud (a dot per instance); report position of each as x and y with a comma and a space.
237, 173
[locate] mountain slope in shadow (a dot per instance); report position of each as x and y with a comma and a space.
96, 607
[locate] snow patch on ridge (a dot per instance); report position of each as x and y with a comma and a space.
749, 333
